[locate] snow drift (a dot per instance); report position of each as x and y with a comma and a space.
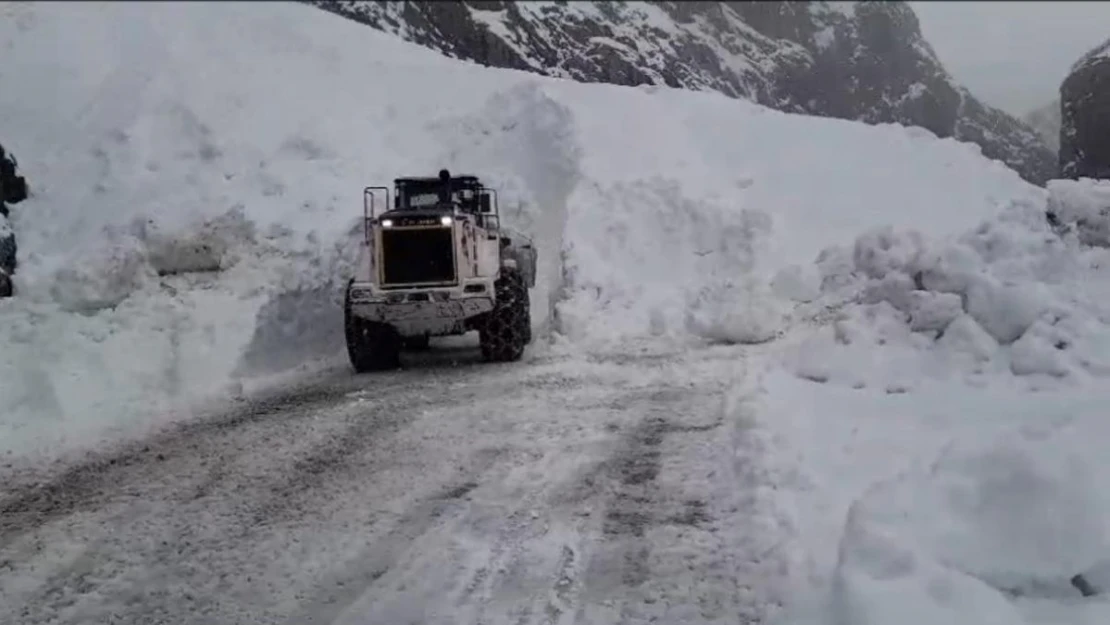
197, 171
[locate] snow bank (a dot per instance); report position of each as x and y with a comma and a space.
1022, 294
197, 199
198, 167
989, 510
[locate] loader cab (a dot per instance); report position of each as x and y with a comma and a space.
463, 193
432, 197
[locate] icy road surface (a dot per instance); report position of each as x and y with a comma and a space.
567, 489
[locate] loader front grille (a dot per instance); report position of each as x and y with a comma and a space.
417, 256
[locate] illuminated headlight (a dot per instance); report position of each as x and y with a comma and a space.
387, 223
446, 220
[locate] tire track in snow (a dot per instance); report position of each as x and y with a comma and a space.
33, 499
557, 491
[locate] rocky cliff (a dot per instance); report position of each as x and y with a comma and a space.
1085, 117
865, 61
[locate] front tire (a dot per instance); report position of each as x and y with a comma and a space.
506, 329
371, 346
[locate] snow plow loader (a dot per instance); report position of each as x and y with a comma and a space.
436, 262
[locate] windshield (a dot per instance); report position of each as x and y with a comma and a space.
420, 200
424, 199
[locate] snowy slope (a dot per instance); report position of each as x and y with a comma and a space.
238, 137
866, 61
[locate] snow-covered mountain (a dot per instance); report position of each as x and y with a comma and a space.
1046, 121
1085, 97
864, 61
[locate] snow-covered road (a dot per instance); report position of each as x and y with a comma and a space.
567, 489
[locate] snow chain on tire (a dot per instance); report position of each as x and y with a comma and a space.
507, 328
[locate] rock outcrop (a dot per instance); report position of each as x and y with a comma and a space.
865, 61
1085, 117
13, 190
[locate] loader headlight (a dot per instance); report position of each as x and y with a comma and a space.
361, 294
446, 220
387, 223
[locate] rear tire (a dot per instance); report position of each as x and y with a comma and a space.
507, 328
371, 346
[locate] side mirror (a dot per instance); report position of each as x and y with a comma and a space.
484, 203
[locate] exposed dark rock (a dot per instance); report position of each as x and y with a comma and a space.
13, 190
1085, 117
867, 61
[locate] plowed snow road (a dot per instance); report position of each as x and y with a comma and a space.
561, 490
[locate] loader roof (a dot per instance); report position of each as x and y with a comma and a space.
432, 181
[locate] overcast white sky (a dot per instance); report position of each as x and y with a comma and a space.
1013, 55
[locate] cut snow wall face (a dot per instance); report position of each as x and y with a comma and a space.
300, 319
520, 142
644, 258
523, 143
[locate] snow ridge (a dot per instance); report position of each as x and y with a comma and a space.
861, 61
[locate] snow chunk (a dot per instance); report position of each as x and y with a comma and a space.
1005, 311
207, 246
883, 251
746, 314
797, 283
100, 278
1035, 353
893, 288
1083, 205
984, 523
964, 336
950, 269
1015, 295
880, 579
933, 311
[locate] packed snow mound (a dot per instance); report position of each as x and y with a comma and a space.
1023, 294
721, 192
1010, 528
198, 168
